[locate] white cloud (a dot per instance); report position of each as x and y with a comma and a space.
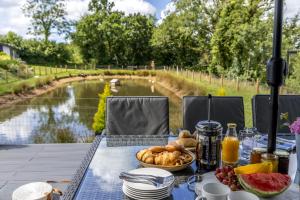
291, 8
170, 7
134, 6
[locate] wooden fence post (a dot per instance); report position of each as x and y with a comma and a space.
257, 86
209, 78
237, 84
193, 75
177, 70
55, 69
40, 72
222, 80
6, 76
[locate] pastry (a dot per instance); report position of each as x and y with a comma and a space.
169, 155
173, 146
141, 153
157, 149
184, 134
187, 142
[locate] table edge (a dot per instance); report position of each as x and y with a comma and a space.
80, 172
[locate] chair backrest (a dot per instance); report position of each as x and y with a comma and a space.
223, 110
137, 115
261, 111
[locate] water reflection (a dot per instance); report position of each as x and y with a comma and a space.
65, 115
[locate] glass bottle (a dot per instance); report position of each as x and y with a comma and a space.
230, 146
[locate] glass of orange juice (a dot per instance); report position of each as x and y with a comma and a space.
230, 146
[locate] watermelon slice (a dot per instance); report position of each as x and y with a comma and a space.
265, 184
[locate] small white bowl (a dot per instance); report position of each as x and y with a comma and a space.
242, 195
33, 191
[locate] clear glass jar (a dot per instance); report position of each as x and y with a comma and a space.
230, 146
269, 157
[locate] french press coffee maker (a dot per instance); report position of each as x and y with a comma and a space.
208, 135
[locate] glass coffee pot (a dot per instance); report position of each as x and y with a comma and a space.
208, 150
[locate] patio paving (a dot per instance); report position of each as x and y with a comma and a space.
21, 164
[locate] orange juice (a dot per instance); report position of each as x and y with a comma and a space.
230, 150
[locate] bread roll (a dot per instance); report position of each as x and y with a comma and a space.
157, 149
185, 134
174, 147
187, 142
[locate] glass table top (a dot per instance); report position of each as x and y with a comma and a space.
117, 154
114, 154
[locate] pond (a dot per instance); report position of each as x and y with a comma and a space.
65, 115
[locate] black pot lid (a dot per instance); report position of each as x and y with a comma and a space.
208, 126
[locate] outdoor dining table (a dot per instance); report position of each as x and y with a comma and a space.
98, 176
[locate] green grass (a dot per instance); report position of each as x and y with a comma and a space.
246, 89
42, 74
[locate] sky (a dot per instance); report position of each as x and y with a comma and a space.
12, 18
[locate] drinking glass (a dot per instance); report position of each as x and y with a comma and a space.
248, 142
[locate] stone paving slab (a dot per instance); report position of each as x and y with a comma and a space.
21, 164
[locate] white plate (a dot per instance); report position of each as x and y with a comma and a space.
140, 197
149, 171
151, 191
32, 191
148, 193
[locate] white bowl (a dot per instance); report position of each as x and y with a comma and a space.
33, 191
242, 195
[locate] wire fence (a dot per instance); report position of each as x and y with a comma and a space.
236, 83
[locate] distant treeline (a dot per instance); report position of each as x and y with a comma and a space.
229, 38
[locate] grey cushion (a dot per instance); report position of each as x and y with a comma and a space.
261, 111
224, 110
137, 115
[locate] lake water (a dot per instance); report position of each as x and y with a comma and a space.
65, 114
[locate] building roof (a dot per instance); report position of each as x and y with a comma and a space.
8, 45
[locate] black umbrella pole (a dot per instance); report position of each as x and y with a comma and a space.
275, 72
274, 116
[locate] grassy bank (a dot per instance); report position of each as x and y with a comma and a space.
46, 75
196, 85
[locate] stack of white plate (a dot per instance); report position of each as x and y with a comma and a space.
146, 191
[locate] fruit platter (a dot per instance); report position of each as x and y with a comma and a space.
255, 178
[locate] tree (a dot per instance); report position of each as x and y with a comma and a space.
109, 37
47, 17
99, 118
138, 33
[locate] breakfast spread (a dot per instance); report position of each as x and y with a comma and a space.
169, 155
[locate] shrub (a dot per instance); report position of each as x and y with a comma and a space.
48, 80
21, 88
99, 117
39, 82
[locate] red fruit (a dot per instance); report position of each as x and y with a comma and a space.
219, 177
218, 170
230, 174
225, 182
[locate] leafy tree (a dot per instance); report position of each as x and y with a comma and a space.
99, 118
47, 16
138, 33
110, 37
